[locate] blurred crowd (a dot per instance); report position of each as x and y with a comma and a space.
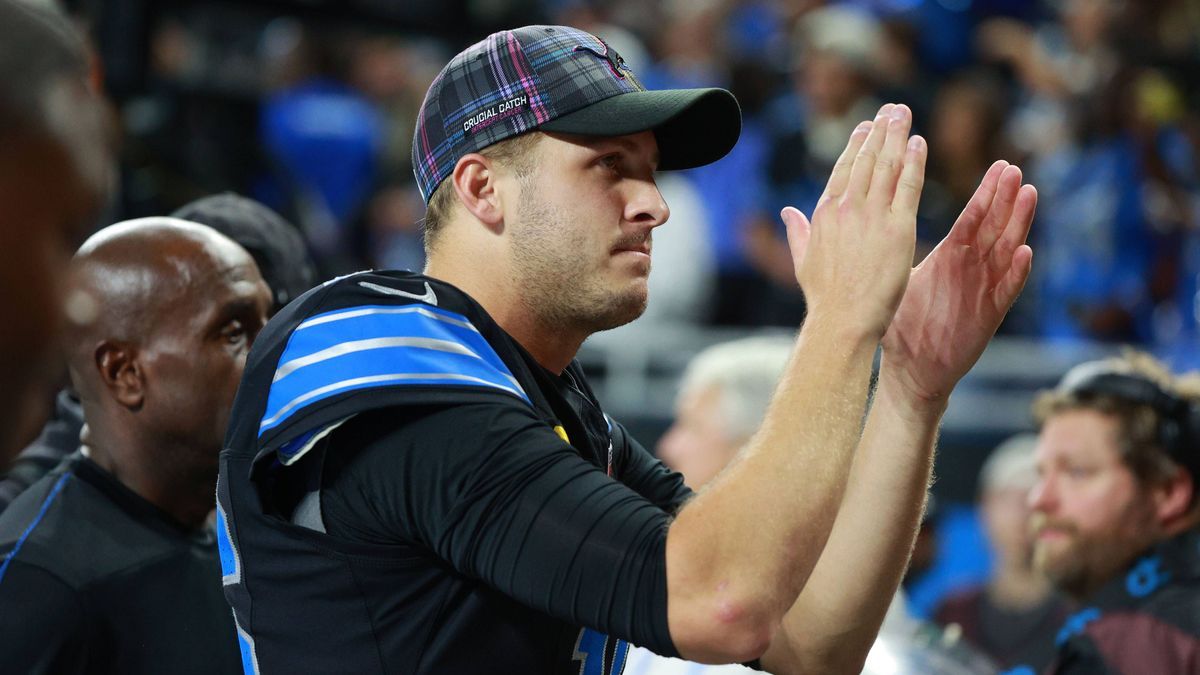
312, 115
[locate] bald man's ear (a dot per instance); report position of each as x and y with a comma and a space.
475, 182
121, 373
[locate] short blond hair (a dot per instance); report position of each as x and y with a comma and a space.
515, 152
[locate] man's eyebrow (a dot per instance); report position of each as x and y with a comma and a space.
630, 146
234, 308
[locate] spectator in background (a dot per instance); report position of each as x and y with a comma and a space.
1076, 117
394, 229
284, 263
274, 243
898, 68
693, 53
723, 396
964, 136
110, 564
1099, 245
1171, 193
834, 51
722, 399
1069, 58
394, 75
55, 173
323, 138
1116, 515
1013, 617
833, 57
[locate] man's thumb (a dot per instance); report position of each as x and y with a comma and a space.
799, 229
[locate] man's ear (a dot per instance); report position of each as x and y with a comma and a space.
1173, 498
475, 183
121, 373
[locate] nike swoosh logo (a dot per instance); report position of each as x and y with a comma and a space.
429, 298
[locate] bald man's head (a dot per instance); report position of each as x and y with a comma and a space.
132, 275
164, 313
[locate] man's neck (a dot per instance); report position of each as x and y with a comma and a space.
185, 498
552, 346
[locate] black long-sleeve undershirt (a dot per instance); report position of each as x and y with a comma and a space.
491, 490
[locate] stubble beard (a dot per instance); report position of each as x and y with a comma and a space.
557, 287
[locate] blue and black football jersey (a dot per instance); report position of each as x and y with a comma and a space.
404, 489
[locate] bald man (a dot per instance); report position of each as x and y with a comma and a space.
285, 264
55, 169
109, 566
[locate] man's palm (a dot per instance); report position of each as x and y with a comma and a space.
957, 297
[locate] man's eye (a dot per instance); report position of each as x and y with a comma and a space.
611, 161
1079, 471
234, 332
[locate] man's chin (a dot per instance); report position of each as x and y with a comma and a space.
622, 310
1067, 570
1053, 559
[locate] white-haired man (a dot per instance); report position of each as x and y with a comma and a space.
722, 398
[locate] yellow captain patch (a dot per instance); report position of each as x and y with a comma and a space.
562, 433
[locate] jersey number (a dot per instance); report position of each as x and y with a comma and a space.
599, 654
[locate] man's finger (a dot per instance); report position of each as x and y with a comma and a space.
865, 158
912, 178
799, 230
1000, 211
891, 158
841, 171
967, 225
1017, 230
1014, 280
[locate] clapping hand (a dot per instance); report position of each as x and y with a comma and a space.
957, 297
854, 257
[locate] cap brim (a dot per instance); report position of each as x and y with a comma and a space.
693, 127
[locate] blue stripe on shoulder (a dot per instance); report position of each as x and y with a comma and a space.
37, 519
377, 346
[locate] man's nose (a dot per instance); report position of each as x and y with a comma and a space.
646, 206
1042, 496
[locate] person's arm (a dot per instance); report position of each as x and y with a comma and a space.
739, 554
493, 491
953, 305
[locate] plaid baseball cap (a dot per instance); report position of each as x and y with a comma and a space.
557, 78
